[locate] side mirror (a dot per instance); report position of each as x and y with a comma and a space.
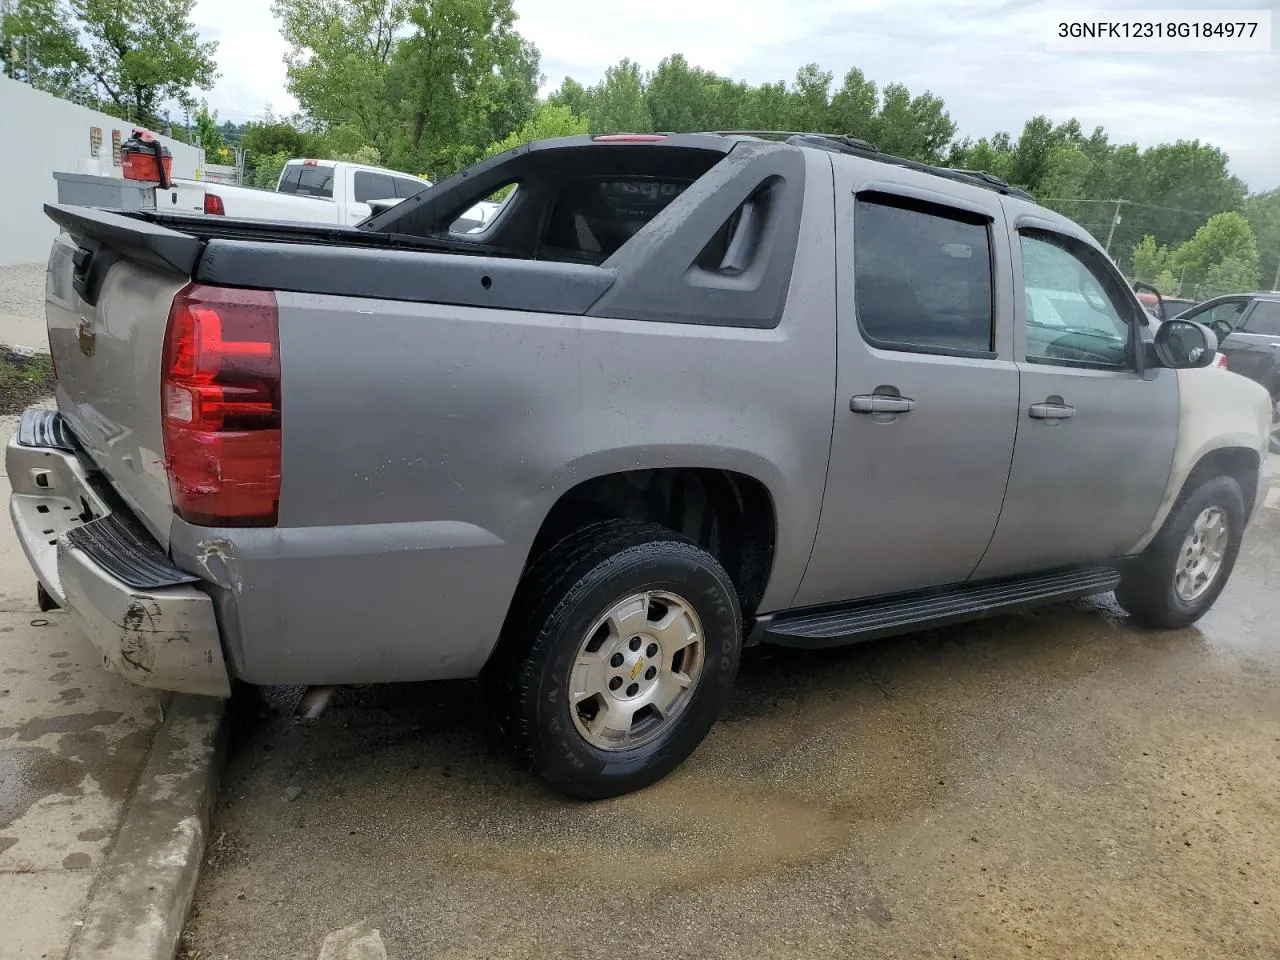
1184, 345
1161, 312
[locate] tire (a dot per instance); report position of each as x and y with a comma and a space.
644, 575
1148, 589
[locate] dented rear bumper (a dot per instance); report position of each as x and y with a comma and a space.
152, 623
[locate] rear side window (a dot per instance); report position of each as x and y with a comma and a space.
1265, 318
922, 276
373, 186
406, 187
593, 218
310, 181
289, 180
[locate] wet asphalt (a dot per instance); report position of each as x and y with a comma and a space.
1054, 784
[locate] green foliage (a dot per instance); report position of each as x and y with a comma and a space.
1166, 283
208, 135
1149, 260
1263, 213
617, 102
264, 169
268, 137
1222, 252
128, 57
367, 155
428, 83
38, 44
551, 120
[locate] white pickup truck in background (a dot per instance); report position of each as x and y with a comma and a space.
309, 191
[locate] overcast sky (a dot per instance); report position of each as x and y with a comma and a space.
985, 58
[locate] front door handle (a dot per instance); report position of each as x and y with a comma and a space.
880, 403
1054, 408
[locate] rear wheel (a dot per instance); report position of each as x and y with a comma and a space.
1180, 574
618, 655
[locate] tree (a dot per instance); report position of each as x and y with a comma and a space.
617, 102
550, 120
1222, 252
573, 95
811, 100
141, 54
208, 134
853, 107
1149, 260
917, 128
271, 136
682, 98
128, 57
337, 66
38, 44
1262, 210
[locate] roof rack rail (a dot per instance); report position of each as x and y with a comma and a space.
842, 143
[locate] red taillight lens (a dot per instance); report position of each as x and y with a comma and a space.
1220, 361
213, 205
220, 403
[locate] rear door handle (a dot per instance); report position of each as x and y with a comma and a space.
1052, 409
880, 403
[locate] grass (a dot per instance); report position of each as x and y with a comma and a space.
23, 380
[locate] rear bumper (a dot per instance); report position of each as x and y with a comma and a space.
151, 623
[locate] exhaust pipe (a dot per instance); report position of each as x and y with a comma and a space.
314, 702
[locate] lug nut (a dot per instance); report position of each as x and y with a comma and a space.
651, 650
651, 673
615, 683
616, 660
635, 643
633, 689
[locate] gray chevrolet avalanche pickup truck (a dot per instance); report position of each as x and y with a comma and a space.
683, 394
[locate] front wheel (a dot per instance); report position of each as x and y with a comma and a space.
1180, 574
618, 655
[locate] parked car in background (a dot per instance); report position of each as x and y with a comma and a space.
684, 394
1172, 305
331, 192
1248, 329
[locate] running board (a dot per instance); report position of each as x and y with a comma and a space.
869, 619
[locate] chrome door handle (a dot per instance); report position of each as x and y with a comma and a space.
880, 403
1052, 409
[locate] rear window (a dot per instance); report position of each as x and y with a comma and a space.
314, 181
407, 188
593, 218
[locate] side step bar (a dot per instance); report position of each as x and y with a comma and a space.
868, 619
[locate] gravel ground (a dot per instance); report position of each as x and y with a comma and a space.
22, 290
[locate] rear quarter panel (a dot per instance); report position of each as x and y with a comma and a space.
424, 445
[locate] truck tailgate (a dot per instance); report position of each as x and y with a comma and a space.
107, 303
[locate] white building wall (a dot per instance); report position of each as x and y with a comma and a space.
41, 134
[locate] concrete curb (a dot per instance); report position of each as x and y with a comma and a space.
139, 903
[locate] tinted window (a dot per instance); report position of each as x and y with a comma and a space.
922, 278
289, 180
406, 187
1073, 313
592, 219
311, 181
1265, 318
373, 186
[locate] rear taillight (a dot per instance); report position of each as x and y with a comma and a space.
213, 205
220, 402
1220, 360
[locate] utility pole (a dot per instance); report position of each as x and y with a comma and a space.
1112, 232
